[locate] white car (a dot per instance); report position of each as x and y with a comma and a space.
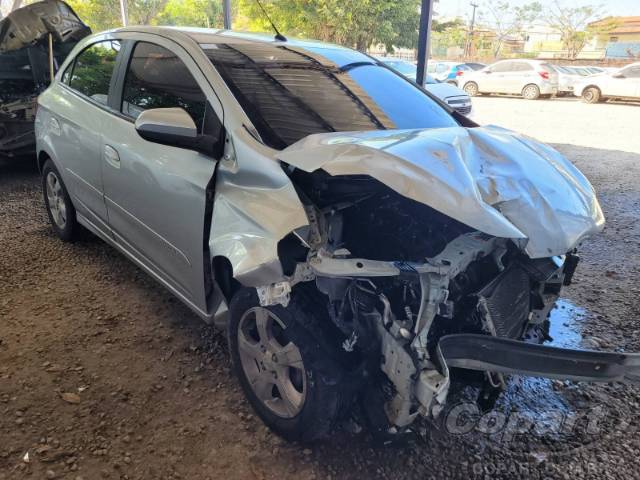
453, 96
530, 78
623, 83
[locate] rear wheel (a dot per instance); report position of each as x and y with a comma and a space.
471, 88
62, 213
286, 371
531, 92
591, 95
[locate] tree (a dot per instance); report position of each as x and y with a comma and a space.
194, 13
573, 25
356, 23
447, 34
507, 20
105, 14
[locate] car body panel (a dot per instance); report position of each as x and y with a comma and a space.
255, 206
612, 85
499, 182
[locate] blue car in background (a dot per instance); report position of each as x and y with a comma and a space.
448, 72
448, 93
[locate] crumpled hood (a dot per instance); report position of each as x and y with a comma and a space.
494, 180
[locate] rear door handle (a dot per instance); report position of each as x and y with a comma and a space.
111, 156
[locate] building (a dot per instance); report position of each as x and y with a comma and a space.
617, 37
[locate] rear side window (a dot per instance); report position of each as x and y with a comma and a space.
502, 67
92, 70
521, 67
157, 78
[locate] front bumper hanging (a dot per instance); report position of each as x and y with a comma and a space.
500, 355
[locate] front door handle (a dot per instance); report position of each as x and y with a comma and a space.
111, 156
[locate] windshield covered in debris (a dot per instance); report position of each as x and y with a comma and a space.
289, 93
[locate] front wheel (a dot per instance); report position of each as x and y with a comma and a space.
62, 213
285, 371
531, 92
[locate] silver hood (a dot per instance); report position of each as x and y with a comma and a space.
491, 179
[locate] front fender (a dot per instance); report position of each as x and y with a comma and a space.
255, 206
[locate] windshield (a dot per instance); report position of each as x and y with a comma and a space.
289, 94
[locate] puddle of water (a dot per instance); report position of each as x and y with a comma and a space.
535, 397
565, 324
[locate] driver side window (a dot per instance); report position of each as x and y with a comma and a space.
157, 78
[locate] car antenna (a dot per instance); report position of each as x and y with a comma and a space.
279, 36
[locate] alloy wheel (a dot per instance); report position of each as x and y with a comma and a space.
55, 199
531, 92
271, 363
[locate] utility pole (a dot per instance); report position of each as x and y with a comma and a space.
424, 40
124, 10
469, 45
226, 7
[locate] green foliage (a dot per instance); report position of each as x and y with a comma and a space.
98, 14
193, 13
447, 34
573, 24
508, 20
357, 23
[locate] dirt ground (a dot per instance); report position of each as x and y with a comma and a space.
104, 375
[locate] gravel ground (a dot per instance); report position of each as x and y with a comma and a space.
105, 375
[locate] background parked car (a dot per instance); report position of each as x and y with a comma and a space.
475, 65
623, 83
567, 77
453, 96
529, 78
448, 71
24, 67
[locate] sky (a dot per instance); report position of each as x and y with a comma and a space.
454, 8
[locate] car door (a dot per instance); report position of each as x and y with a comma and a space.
156, 195
492, 80
625, 83
520, 74
77, 125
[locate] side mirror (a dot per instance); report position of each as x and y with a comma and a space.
175, 127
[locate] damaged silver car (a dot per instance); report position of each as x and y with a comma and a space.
34, 40
361, 243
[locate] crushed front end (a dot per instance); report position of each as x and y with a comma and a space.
415, 290
399, 276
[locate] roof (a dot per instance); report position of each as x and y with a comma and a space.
620, 25
332, 53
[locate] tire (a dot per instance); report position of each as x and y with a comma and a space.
285, 364
591, 95
471, 89
452, 82
531, 92
61, 211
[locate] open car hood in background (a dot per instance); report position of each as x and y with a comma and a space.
28, 25
491, 179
